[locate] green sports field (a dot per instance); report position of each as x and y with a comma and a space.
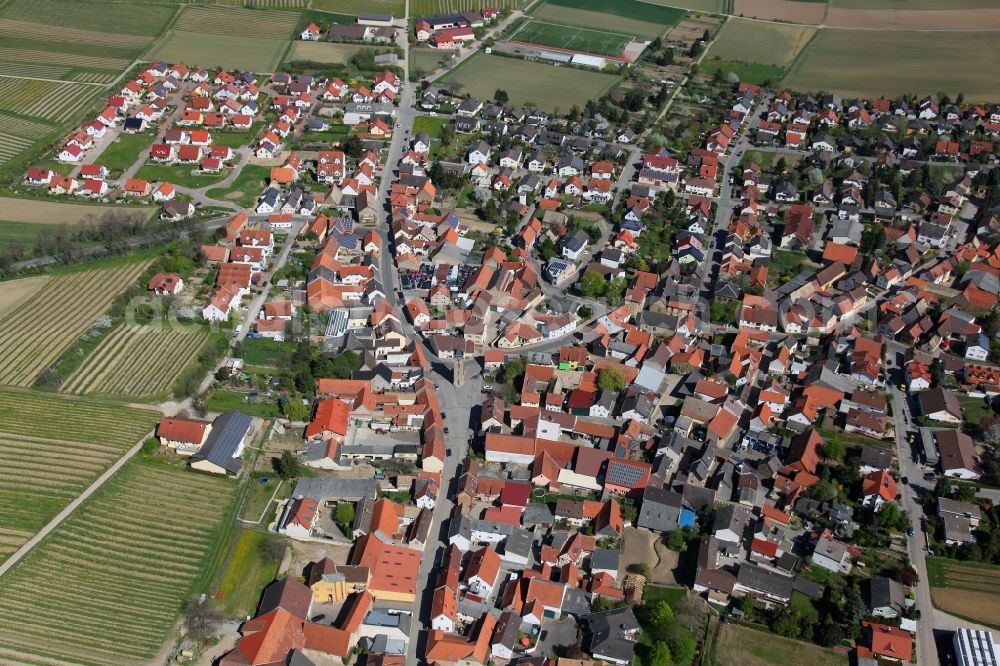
572, 38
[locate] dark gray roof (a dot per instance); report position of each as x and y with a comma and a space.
605, 558
606, 633
228, 433
660, 509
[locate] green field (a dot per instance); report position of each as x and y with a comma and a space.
127, 560
246, 188
437, 7
220, 51
571, 38
633, 9
179, 174
355, 7
891, 63
759, 42
51, 448
587, 18
549, 87
326, 52
710, 6
246, 574
748, 72
124, 152
132, 19
22, 232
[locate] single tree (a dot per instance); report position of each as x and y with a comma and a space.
610, 379
288, 466
201, 619
345, 517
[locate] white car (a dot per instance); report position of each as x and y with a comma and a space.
433, 114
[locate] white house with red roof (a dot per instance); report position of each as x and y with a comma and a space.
310, 33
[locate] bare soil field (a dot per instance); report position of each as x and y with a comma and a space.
981, 607
783, 10
14, 292
52, 212
914, 19
644, 546
689, 31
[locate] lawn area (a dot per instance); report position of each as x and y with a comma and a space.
432, 126
220, 50
869, 62
124, 151
804, 606
969, 590
425, 61
656, 593
261, 351
246, 188
852, 440
572, 38
180, 174
235, 138
224, 401
763, 159
748, 72
755, 41
246, 574
551, 88
751, 647
259, 497
784, 263
974, 410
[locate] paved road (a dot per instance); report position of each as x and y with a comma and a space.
74, 505
926, 647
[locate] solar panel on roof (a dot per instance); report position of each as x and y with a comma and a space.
624, 475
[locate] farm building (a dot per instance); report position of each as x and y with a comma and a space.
220, 454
